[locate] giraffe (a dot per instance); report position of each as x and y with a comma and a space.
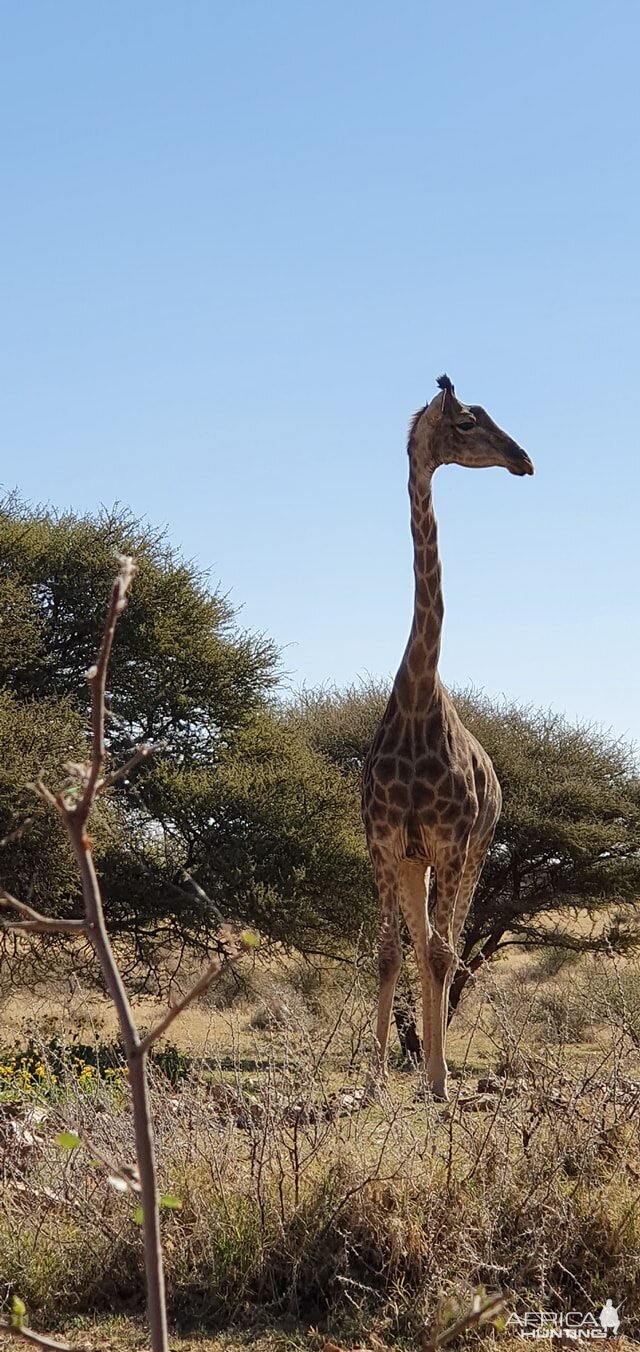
430, 795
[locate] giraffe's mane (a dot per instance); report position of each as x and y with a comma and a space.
415, 420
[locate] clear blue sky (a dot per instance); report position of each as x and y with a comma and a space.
239, 242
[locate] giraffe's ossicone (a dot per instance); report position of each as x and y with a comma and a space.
430, 795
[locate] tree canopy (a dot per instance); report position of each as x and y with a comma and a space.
235, 813
182, 673
36, 738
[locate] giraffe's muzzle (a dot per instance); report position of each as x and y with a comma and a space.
520, 464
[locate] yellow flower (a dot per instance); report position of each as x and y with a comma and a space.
40, 1070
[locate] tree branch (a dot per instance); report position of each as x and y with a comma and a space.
467, 970
97, 678
36, 1339
16, 833
34, 922
198, 989
109, 780
53, 800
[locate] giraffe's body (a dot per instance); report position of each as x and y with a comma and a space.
431, 797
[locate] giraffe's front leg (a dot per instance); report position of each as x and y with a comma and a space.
413, 886
389, 964
442, 961
441, 957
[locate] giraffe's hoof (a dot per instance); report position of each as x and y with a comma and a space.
437, 1094
437, 1076
437, 1085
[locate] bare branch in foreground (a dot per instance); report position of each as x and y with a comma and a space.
53, 800
97, 678
38, 1339
16, 833
198, 989
74, 804
34, 922
114, 778
46, 926
75, 811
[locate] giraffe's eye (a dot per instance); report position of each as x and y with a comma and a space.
468, 425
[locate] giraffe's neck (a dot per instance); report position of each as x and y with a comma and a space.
428, 609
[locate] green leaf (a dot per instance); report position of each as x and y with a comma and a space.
170, 1200
138, 1216
249, 940
18, 1312
67, 1140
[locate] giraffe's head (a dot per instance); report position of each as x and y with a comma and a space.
447, 432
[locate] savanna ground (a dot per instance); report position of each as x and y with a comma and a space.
306, 1219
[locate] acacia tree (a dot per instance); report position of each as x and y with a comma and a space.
183, 673
569, 834
36, 739
235, 813
568, 839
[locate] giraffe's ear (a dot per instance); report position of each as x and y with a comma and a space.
434, 411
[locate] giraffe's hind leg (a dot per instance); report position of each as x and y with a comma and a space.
413, 880
472, 870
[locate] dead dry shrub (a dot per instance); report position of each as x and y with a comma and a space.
297, 1201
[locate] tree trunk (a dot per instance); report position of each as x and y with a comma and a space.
465, 973
404, 1006
404, 1014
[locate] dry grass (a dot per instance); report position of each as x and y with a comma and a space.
127, 1334
259, 986
301, 1211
